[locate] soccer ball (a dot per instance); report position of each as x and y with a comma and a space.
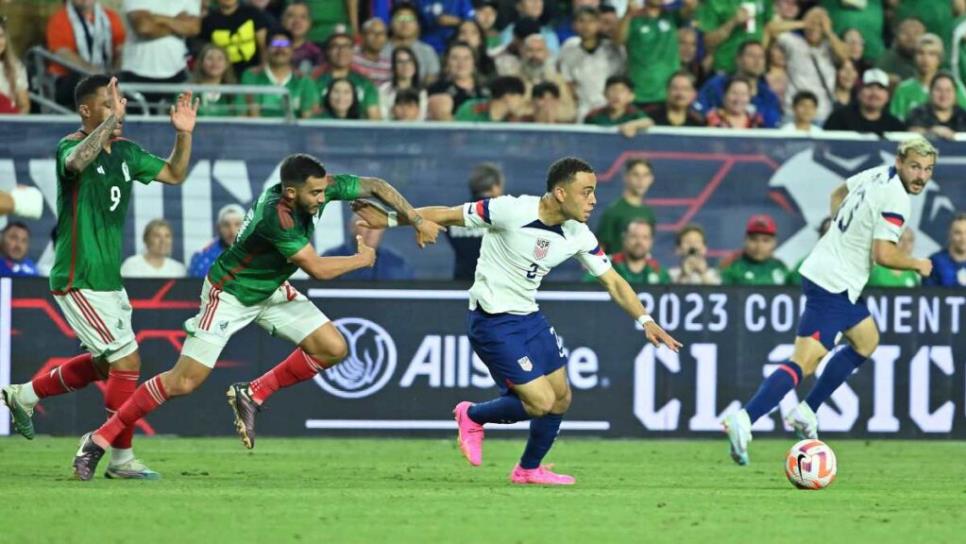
811, 464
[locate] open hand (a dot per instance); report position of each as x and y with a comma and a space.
184, 113
372, 216
118, 102
657, 336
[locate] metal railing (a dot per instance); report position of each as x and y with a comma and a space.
136, 91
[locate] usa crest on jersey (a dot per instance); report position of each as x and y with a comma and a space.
540, 250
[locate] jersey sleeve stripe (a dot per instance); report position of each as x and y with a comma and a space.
483, 209
597, 251
894, 218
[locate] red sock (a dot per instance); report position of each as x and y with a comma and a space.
297, 367
145, 399
120, 386
74, 374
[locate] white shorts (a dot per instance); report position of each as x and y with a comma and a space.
101, 320
287, 314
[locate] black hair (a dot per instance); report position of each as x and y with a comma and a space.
619, 80
276, 31
737, 79
88, 86
406, 96
681, 73
690, 227
804, 95
484, 177
404, 5
15, 225
355, 110
607, 8
587, 10
298, 168
629, 165
942, 74
747, 44
565, 170
505, 85
638, 221
545, 87
412, 55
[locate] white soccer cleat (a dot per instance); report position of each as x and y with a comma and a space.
738, 428
803, 421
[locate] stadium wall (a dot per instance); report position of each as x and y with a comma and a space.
410, 362
712, 177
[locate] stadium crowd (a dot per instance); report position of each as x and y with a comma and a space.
792, 65
798, 66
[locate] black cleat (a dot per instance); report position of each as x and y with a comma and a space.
87, 457
244, 407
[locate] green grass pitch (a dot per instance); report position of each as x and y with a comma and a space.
399, 491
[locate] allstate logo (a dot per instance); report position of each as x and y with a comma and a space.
368, 366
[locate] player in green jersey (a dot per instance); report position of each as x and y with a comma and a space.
249, 282
95, 171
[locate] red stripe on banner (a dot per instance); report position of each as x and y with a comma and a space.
87, 316
94, 313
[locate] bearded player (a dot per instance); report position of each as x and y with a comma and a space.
249, 282
870, 211
526, 237
95, 171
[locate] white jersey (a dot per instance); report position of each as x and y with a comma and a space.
876, 208
519, 250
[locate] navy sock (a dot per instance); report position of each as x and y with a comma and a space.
838, 369
543, 431
773, 389
504, 409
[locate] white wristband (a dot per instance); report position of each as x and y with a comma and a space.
27, 202
392, 220
644, 320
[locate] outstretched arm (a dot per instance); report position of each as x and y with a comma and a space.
625, 297
426, 230
327, 268
889, 255
183, 117
376, 218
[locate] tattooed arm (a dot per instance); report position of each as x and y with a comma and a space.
85, 152
426, 231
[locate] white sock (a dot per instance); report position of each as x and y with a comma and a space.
27, 394
120, 456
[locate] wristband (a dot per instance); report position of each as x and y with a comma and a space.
644, 320
27, 202
392, 219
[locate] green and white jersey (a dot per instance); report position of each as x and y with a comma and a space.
258, 262
91, 209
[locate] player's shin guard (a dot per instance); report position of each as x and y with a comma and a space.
296, 368
145, 399
505, 409
773, 389
543, 431
70, 376
121, 385
838, 369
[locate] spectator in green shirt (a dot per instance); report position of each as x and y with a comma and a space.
620, 110
634, 262
866, 17
729, 23
914, 91
794, 277
941, 117
278, 71
339, 53
650, 34
638, 178
898, 61
212, 67
332, 16
507, 103
341, 101
757, 264
887, 277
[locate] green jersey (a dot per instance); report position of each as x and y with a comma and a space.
887, 277
602, 118
477, 110
327, 15
258, 262
215, 104
744, 271
91, 209
795, 276
366, 92
610, 230
301, 91
911, 94
651, 274
713, 14
867, 20
936, 15
652, 55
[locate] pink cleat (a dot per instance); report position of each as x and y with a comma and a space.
541, 475
470, 437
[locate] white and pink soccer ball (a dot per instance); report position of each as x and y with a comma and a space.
811, 464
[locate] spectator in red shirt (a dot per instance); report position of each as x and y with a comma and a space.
734, 113
371, 57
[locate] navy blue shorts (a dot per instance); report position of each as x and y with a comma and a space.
827, 314
516, 348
